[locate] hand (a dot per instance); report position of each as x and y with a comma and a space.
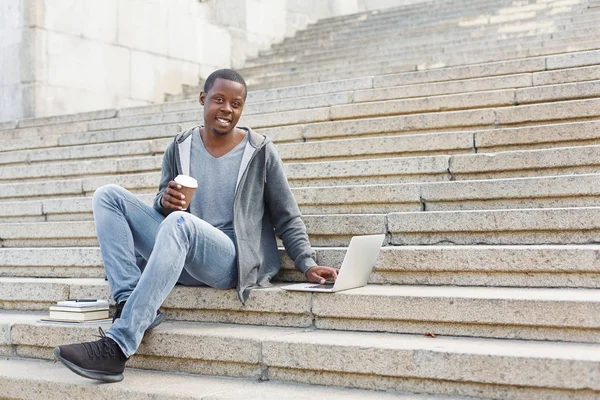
173, 198
321, 274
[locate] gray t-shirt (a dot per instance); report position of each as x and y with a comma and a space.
217, 178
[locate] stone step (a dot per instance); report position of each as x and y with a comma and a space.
26, 379
531, 163
524, 226
510, 313
451, 142
410, 52
491, 368
314, 119
557, 266
585, 58
406, 44
553, 112
85, 176
136, 183
467, 19
390, 67
380, 42
323, 230
536, 192
257, 97
576, 225
554, 135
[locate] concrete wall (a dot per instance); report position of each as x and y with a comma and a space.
68, 56
18, 45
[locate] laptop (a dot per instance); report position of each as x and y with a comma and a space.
355, 270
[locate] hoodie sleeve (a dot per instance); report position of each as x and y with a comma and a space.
168, 174
285, 214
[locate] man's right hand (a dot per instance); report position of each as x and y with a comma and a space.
173, 198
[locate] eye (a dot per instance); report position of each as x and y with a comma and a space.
219, 100
236, 104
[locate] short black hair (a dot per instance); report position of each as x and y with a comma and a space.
227, 74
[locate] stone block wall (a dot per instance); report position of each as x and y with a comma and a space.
69, 56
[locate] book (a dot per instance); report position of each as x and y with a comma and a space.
78, 316
78, 309
82, 303
94, 322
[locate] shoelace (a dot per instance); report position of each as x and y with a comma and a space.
99, 348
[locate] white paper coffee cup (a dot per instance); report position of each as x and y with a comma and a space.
188, 187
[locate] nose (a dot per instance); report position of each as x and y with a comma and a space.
226, 106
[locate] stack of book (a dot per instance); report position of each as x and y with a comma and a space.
79, 310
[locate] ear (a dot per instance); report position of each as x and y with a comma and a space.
202, 98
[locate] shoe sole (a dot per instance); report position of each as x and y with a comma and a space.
88, 373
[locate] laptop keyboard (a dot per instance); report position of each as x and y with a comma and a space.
326, 286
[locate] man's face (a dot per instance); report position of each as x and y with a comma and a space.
223, 105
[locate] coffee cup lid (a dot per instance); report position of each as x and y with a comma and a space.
186, 181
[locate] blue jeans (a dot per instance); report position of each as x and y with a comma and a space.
179, 248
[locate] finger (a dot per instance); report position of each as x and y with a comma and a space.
315, 277
175, 193
171, 202
174, 185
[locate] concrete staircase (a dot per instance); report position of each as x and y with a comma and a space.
429, 35
484, 177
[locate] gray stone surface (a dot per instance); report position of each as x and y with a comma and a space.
29, 143
570, 190
401, 145
555, 135
581, 159
11, 191
21, 209
462, 72
118, 135
461, 101
577, 74
286, 118
298, 103
453, 359
311, 89
561, 314
145, 182
441, 88
401, 124
527, 226
63, 119
558, 111
45, 130
551, 365
26, 379
390, 170
337, 230
142, 120
540, 314
566, 91
105, 150
573, 60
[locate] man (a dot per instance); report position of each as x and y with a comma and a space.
225, 239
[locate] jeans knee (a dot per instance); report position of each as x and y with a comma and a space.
106, 192
176, 219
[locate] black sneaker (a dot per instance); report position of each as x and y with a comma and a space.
102, 360
157, 320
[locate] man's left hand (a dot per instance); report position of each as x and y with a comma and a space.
321, 274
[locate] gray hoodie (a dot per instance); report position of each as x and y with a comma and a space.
263, 206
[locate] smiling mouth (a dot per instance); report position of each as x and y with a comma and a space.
224, 120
